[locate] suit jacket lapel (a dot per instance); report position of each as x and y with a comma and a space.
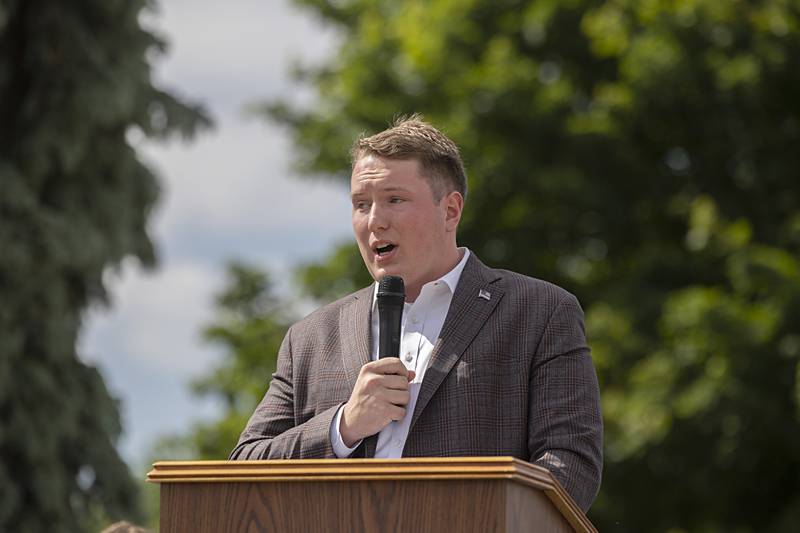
468, 311
355, 333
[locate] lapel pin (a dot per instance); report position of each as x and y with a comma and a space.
486, 295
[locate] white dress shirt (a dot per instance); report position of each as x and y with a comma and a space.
421, 326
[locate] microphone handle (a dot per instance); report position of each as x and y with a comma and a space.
389, 322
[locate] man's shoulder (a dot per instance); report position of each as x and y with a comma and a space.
517, 285
531, 300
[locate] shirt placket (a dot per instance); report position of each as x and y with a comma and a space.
414, 322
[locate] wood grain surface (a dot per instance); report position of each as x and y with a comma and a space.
451, 494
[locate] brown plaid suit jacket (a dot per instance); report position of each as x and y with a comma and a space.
511, 375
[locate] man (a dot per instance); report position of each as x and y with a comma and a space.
491, 362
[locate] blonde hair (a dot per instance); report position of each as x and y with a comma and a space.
413, 138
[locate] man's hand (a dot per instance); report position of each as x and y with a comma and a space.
380, 396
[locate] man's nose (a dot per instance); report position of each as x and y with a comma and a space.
378, 219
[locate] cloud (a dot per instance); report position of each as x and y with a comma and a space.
237, 51
237, 180
148, 347
156, 319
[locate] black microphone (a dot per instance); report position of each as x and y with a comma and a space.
391, 296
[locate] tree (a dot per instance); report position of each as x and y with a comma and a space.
643, 155
74, 200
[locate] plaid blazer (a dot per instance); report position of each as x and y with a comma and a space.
511, 374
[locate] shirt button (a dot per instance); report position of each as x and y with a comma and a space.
409, 357
414, 319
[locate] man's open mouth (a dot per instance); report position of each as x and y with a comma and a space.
383, 250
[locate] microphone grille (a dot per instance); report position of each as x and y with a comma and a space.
391, 286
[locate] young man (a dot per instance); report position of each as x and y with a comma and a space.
491, 362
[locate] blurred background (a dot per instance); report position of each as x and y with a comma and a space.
173, 194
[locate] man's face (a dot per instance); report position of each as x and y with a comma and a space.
401, 230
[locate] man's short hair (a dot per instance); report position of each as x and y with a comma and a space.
413, 138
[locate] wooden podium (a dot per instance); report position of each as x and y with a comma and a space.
481, 494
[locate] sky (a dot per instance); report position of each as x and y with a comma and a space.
229, 194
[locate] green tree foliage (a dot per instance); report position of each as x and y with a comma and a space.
74, 200
644, 155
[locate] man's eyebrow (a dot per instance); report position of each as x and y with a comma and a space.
361, 192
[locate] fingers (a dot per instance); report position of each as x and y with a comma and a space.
397, 413
397, 397
388, 365
394, 382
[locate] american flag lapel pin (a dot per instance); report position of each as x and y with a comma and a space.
486, 295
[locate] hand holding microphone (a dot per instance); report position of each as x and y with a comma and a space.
381, 391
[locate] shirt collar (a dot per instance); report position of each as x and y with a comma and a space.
451, 279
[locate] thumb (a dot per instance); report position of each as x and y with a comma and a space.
411, 375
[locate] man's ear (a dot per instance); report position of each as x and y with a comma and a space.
453, 205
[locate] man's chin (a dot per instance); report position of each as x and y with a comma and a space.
380, 272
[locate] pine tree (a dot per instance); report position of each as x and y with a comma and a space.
74, 201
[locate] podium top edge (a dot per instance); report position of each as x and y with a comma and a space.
323, 462
317, 469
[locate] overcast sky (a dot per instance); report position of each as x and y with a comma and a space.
228, 194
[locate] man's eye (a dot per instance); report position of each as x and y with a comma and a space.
395, 200
361, 206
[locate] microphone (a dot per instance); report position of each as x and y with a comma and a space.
391, 296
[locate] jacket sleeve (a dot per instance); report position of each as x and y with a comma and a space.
566, 426
274, 431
